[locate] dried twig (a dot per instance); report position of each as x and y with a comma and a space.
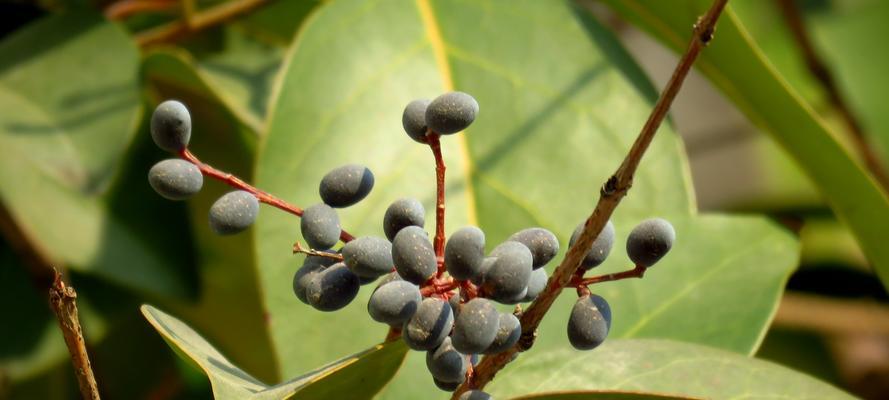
610, 196
62, 300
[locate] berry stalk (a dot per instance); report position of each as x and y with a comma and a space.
238, 183
439, 241
611, 194
636, 272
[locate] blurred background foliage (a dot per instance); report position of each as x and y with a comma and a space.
564, 87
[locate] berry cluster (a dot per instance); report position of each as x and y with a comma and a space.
437, 294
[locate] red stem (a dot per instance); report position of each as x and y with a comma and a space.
439, 286
237, 183
438, 244
636, 272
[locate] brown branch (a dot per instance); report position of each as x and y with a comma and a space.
238, 183
211, 17
610, 196
819, 69
62, 299
125, 8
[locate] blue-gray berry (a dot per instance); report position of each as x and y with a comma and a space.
346, 185
171, 126
414, 120
233, 212
175, 179
451, 113
649, 241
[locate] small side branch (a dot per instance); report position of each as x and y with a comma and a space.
611, 194
299, 249
237, 183
637, 272
819, 69
199, 21
62, 300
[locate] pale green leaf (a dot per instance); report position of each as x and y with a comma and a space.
659, 366
355, 377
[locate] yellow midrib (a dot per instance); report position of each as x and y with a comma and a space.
441, 60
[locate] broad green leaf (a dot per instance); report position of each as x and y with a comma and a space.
555, 122
69, 108
737, 66
236, 92
358, 376
601, 395
226, 267
243, 74
278, 21
660, 366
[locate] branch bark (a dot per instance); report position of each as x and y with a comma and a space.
610, 196
62, 300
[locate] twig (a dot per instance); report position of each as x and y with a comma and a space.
298, 248
610, 196
125, 8
238, 183
822, 73
199, 21
62, 299
636, 272
438, 244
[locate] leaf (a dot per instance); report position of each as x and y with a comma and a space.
555, 122
845, 35
278, 21
64, 130
371, 368
226, 265
735, 64
603, 395
660, 366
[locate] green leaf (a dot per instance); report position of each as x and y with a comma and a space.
555, 122
358, 376
736, 65
278, 21
64, 129
844, 36
659, 366
601, 395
